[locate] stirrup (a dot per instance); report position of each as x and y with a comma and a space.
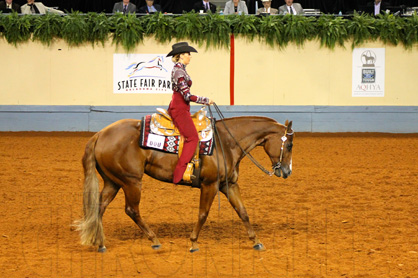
188, 174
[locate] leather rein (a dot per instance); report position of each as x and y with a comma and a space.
253, 160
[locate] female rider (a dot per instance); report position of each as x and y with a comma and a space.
179, 108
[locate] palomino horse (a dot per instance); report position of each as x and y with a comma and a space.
115, 153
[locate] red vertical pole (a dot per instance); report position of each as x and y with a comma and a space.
232, 71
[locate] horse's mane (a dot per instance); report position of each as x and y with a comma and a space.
253, 118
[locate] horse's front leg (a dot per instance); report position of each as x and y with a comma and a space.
234, 195
207, 193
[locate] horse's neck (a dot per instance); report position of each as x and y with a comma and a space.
251, 132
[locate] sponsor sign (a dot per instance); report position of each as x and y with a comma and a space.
142, 73
368, 72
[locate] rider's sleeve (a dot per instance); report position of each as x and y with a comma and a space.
185, 91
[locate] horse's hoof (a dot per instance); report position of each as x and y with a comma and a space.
259, 247
156, 246
102, 249
192, 250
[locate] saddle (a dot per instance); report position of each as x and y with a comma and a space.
159, 125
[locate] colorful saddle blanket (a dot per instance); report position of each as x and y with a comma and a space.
158, 132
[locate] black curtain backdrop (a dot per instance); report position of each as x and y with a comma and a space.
180, 6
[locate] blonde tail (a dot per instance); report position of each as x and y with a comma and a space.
91, 227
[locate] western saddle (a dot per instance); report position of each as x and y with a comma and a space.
162, 124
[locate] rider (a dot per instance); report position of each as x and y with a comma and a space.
179, 108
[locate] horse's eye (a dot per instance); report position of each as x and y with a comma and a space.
289, 147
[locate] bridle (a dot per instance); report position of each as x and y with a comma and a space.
253, 160
279, 163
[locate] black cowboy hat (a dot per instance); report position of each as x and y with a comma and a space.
180, 47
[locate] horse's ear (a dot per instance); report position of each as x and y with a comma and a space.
289, 126
286, 123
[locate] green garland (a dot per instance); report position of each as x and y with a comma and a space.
212, 30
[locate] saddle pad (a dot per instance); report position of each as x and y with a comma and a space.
168, 144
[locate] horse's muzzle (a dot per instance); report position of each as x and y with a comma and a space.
285, 171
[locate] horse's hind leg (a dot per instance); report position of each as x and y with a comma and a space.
106, 197
132, 199
235, 199
207, 193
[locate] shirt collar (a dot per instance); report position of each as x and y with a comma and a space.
180, 65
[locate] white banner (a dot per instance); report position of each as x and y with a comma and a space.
368, 72
142, 73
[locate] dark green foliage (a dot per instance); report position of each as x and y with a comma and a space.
362, 28
16, 29
212, 29
272, 31
47, 28
299, 29
244, 26
410, 31
127, 30
75, 29
98, 26
390, 28
189, 27
216, 31
160, 26
332, 31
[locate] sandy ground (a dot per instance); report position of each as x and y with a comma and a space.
348, 210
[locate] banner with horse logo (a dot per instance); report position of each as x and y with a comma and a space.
368, 72
142, 73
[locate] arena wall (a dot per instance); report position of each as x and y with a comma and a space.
392, 119
62, 88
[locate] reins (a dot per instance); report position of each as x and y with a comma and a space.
217, 155
253, 160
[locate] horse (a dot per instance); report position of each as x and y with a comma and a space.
117, 156
369, 58
155, 63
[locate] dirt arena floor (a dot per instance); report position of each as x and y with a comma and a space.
348, 210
